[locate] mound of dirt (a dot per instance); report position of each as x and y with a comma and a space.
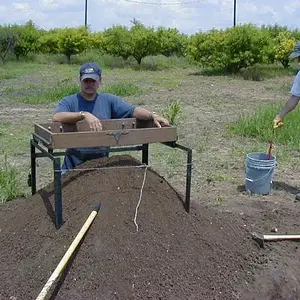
170, 255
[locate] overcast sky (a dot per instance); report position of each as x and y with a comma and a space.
189, 16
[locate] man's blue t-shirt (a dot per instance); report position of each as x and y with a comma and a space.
104, 106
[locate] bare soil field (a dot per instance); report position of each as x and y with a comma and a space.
207, 254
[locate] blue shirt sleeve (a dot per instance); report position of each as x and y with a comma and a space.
120, 108
64, 105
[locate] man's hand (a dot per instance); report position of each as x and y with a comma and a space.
160, 121
277, 122
93, 122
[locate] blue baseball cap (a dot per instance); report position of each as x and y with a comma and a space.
90, 70
296, 51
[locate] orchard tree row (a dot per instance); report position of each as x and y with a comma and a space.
231, 48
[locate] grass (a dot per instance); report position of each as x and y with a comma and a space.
259, 125
52, 95
173, 111
62, 89
14, 138
9, 182
122, 89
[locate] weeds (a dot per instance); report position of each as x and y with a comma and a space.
9, 184
260, 125
173, 111
53, 95
122, 89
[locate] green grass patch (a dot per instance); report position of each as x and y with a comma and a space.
14, 138
260, 125
9, 182
63, 89
52, 95
122, 89
7, 75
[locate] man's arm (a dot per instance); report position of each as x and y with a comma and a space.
67, 117
73, 117
144, 114
289, 106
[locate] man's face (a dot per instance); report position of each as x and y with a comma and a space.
90, 86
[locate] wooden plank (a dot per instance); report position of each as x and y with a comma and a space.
81, 126
42, 132
113, 137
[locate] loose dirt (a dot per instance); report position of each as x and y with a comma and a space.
167, 254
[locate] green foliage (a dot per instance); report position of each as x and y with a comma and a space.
49, 42
27, 39
226, 50
171, 42
8, 40
117, 41
285, 44
121, 89
245, 46
230, 49
72, 41
208, 48
95, 41
144, 42
9, 182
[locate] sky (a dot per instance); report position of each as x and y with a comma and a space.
188, 16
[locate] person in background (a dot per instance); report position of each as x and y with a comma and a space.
92, 107
293, 100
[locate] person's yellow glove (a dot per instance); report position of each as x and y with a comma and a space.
277, 122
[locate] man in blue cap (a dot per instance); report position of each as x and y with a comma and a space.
91, 106
294, 98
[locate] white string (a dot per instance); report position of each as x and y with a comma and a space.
140, 199
116, 167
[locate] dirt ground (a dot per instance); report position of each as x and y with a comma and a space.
207, 254
166, 254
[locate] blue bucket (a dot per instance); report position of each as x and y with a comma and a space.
259, 172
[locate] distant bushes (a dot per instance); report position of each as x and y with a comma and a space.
230, 49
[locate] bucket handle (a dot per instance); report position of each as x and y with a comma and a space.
251, 180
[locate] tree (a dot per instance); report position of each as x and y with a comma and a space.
171, 42
72, 41
117, 41
27, 39
8, 39
49, 42
285, 44
231, 49
144, 42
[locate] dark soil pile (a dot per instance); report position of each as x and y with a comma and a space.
172, 255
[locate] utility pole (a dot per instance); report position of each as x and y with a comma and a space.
234, 13
85, 14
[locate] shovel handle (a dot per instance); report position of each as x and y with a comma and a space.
277, 237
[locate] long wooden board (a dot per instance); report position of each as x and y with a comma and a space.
110, 124
115, 132
113, 137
